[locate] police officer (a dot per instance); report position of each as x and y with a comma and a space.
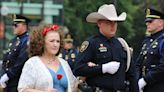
69, 53
150, 63
16, 54
102, 59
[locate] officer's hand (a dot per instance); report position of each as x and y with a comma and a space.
91, 64
111, 67
141, 84
3, 80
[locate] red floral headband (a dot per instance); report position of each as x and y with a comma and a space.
47, 29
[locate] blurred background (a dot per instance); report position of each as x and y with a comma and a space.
71, 15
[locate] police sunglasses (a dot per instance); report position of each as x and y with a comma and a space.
150, 21
15, 25
69, 42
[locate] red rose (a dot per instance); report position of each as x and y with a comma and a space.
59, 76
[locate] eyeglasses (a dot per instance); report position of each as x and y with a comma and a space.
69, 42
150, 21
15, 25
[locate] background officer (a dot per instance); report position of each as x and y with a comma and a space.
102, 59
69, 53
150, 63
16, 54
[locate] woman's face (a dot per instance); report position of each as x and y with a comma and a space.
52, 43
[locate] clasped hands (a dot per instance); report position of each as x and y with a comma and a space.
110, 67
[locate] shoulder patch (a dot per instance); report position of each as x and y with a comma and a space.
84, 46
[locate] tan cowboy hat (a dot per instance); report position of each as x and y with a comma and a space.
107, 12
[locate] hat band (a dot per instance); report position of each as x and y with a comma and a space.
19, 20
68, 40
153, 16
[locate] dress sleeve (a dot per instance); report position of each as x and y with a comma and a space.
28, 76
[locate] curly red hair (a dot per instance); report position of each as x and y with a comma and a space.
36, 39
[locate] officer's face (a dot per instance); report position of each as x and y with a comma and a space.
107, 28
154, 25
68, 45
52, 43
19, 28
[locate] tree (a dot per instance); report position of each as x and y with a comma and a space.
133, 29
77, 10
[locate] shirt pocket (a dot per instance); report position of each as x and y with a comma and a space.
103, 57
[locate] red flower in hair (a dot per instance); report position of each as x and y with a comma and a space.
59, 76
47, 29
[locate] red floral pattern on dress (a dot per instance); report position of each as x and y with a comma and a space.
59, 76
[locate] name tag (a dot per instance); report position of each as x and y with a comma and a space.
102, 48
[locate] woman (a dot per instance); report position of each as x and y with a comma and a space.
44, 71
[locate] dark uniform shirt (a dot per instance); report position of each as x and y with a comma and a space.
150, 63
69, 55
14, 60
100, 50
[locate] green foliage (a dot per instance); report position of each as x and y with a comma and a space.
133, 29
76, 13
77, 10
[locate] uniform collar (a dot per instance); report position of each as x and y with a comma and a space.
155, 35
23, 35
105, 38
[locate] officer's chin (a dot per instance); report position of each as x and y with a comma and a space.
111, 35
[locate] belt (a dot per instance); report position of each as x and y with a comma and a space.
98, 89
144, 70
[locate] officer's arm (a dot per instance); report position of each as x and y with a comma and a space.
138, 66
157, 73
139, 61
5, 58
86, 55
132, 78
22, 57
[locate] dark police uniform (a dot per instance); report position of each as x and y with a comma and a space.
100, 50
15, 58
69, 54
150, 63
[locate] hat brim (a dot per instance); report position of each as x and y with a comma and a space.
95, 16
149, 19
68, 40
